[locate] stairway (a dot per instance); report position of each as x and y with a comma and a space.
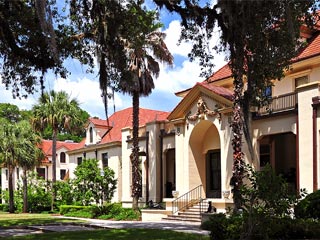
192, 214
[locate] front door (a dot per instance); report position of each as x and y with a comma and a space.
213, 172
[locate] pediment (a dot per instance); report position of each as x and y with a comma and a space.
202, 99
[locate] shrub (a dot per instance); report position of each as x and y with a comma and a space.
108, 211
288, 228
81, 213
223, 227
4, 207
64, 194
90, 186
309, 207
64, 209
128, 214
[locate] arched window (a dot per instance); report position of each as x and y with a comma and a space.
62, 157
91, 134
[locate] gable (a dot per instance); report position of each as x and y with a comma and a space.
221, 97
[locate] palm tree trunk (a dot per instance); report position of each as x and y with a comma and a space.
54, 156
54, 166
11, 190
136, 178
25, 191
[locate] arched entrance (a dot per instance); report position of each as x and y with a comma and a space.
205, 158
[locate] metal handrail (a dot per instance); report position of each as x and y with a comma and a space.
188, 199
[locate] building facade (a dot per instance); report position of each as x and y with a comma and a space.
190, 147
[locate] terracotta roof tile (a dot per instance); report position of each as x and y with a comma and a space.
313, 49
99, 122
46, 146
221, 91
123, 118
222, 73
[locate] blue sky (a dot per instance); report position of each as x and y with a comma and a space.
85, 87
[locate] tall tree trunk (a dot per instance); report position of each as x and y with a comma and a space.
237, 129
25, 191
11, 189
136, 178
54, 166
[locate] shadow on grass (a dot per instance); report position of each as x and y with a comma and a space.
122, 234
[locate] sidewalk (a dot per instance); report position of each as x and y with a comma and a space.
165, 225
92, 224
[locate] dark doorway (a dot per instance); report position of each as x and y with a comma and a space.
213, 173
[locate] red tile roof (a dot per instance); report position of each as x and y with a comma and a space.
123, 118
222, 73
99, 122
46, 146
311, 50
221, 91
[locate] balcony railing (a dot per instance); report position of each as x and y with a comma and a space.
278, 104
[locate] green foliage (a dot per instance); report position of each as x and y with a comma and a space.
266, 193
235, 227
33, 42
76, 131
64, 194
10, 112
18, 147
288, 228
309, 207
108, 211
76, 211
4, 207
223, 227
89, 186
266, 211
64, 209
39, 196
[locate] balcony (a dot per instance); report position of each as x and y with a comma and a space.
279, 104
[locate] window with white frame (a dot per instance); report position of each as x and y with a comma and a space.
105, 161
41, 172
63, 173
79, 160
62, 157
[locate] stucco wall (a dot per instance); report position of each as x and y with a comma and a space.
305, 137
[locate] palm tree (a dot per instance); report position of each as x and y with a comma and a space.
30, 157
8, 147
144, 50
57, 110
17, 148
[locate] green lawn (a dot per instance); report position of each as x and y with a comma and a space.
13, 219
7, 220
123, 234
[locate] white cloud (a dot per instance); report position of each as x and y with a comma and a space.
178, 78
88, 93
172, 39
23, 104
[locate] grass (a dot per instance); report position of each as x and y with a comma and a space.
122, 234
11, 220
26, 219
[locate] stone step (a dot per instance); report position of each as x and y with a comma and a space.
181, 218
191, 214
